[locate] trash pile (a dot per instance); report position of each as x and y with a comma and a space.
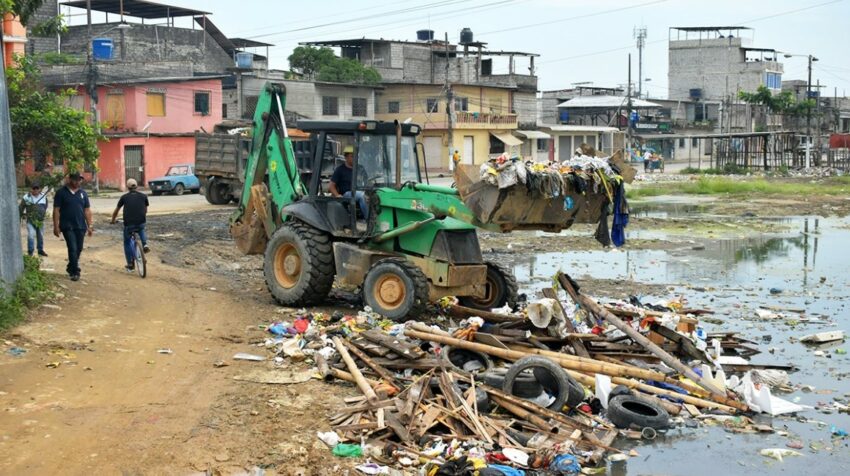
546, 390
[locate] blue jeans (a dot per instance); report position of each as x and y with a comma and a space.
129, 252
74, 242
35, 234
360, 198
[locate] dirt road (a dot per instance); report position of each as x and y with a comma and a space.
115, 404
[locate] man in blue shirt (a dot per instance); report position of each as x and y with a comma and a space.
72, 217
341, 179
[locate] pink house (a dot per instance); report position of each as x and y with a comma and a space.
150, 124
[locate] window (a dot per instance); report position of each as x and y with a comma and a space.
224, 111
431, 105
202, 103
542, 145
330, 106
359, 107
156, 104
393, 107
694, 142
681, 142
462, 104
773, 80
496, 145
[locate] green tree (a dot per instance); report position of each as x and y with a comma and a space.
42, 123
322, 64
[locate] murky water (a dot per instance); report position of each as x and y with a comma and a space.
809, 265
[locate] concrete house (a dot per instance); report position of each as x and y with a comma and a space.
494, 92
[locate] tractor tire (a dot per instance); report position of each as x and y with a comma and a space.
178, 189
396, 288
298, 265
501, 290
217, 193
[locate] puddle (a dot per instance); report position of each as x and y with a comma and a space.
807, 262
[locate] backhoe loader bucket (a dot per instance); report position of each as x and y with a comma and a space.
516, 208
249, 231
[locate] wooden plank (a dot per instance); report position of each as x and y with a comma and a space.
404, 349
381, 371
392, 421
364, 386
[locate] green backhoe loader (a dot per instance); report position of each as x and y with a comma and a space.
416, 244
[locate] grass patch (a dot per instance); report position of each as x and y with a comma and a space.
32, 289
728, 169
722, 186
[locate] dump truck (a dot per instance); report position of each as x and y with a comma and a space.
417, 243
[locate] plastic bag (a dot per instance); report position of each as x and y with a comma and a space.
346, 450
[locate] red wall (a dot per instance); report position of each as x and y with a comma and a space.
158, 155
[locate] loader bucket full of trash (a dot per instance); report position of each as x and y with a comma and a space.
525, 195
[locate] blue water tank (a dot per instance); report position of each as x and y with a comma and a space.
244, 60
564, 116
102, 49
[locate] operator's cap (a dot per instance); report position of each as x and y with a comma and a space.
131, 184
75, 176
348, 149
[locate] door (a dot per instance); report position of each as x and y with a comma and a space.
433, 152
468, 156
565, 150
134, 163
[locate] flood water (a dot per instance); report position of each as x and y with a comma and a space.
807, 266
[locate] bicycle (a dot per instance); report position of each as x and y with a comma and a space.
139, 254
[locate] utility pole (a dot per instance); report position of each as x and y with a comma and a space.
450, 120
640, 35
92, 82
11, 258
809, 116
629, 110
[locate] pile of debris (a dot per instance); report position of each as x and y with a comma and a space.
546, 390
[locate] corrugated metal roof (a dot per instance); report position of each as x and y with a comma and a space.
533, 134
138, 8
506, 138
606, 102
572, 128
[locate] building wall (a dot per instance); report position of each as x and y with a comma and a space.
38, 45
159, 153
707, 64
305, 98
413, 104
143, 44
14, 38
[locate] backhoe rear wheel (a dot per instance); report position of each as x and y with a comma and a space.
298, 265
396, 288
501, 290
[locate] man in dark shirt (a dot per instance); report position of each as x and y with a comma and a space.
135, 206
341, 179
72, 217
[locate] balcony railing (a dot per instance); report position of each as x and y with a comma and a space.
486, 119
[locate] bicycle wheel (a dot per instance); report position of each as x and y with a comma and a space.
141, 261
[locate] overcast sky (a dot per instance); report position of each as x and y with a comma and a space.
577, 40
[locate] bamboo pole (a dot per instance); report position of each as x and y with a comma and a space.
636, 336
526, 415
462, 312
384, 373
508, 354
359, 379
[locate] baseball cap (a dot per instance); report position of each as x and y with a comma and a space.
75, 176
348, 150
131, 183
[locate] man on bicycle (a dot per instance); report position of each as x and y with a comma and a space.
135, 206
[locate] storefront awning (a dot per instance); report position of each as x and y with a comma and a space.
534, 134
507, 138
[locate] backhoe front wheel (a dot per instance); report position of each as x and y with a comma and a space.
395, 289
501, 290
298, 265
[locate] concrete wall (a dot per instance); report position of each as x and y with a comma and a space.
38, 45
11, 261
717, 66
413, 102
158, 155
144, 44
305, 98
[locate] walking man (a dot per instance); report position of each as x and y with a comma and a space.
135, 206
33, 208
72, 217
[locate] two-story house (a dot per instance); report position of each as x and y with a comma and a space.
494, 96
149, 125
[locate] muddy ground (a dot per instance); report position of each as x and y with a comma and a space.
96, 391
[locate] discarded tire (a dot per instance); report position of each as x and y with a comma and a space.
525, 384
627, 410
619, 390
558, 378
467, 360
549, 383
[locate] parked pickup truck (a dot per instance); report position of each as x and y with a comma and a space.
220, 163
177, 180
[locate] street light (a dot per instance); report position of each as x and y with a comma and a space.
811, 59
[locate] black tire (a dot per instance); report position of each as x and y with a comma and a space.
525, 385
550, 384
217, 193
156, 193
178, 189
298, 265
501, 290
458, 357
396, 288
619, 390
561, 379
141, 260
627, 410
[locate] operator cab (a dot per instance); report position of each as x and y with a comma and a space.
374, 145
